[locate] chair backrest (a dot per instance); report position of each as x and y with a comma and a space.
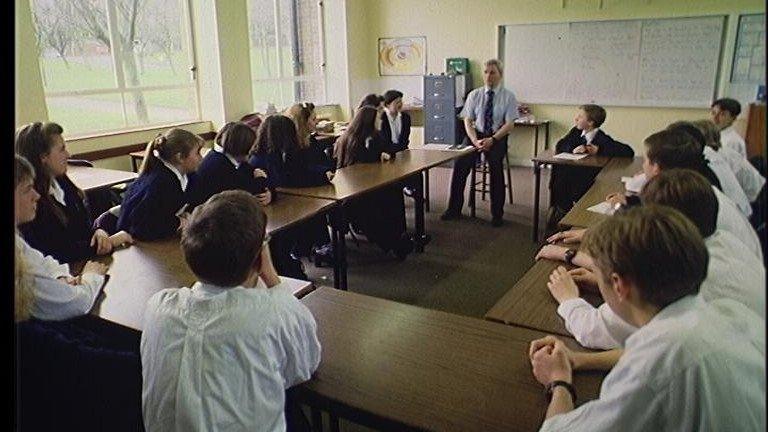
80, 162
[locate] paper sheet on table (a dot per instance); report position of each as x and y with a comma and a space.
570, 156
634, 184
602, 208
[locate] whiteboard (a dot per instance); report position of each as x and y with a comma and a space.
670, 62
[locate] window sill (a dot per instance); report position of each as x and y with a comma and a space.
95, 135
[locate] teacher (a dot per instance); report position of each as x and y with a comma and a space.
489, 115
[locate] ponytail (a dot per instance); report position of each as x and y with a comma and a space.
174, 143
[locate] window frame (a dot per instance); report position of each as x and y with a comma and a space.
281, 76
123, 90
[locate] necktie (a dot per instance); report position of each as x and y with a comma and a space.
488, 114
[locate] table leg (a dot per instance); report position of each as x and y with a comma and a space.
339, 249
418, 197
535, 141
134, 165
546, 136
426, 190
317, 420
334, 422
537, 173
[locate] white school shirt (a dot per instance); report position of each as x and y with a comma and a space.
221, 358
55, 300
504, 107
748, 176
219, 149
733, 272
183, 179
731, 139
395, 125
693, 367
589, 136
728, 181
57, 192
730, 219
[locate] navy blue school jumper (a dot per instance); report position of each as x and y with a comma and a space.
215, 174
67, 239
148, 211
305, 168
381, 214
568, 184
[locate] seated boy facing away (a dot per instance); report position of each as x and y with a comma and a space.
690, 366
221, 354
568, 184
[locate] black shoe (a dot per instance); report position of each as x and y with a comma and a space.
323, 256
497, 222
403, 248
450, 215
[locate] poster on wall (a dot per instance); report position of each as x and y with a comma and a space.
403, 56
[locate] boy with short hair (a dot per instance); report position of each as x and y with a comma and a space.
221, 354
724, 112
690, 365
567, 184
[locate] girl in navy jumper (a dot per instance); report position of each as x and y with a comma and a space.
381, 214
155, 204
62, 227
308, 157
288, 163
224, 168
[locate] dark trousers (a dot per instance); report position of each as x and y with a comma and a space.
568, 184
381, 216
462, 167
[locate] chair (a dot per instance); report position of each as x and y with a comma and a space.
80, 162
481, 167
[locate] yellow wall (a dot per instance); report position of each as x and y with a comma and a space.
30, 101
469, 28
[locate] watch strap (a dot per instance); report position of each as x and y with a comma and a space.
568, 386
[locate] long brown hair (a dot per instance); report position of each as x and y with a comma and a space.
300, 114
35, 141
362, 126
277, 135
236, 138
174, 142
22, 287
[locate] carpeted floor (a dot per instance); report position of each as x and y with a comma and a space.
467, 266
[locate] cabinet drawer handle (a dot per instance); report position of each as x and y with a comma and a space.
438, 117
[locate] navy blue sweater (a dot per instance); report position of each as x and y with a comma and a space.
150, 205
216, 174
304, 168
68, 239
606, 146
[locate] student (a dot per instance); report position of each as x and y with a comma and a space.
221, 354
381, 214
568, 184
62, 227
55, 293
723, 113
155, 204
288, 163
747, 175
396, 124
223, 168
733, 271
309, 163
730, 185
690, 365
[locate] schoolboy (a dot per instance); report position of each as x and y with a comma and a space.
221, 354
568, 184
723, 113
690, 365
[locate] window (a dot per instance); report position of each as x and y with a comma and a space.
116, 64
286, 46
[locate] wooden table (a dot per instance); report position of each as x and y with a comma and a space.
392, 366
536, 125
357, 180
547, 157
529, 303
138, 272
90, 178
607, 181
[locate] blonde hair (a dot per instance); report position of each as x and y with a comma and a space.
23, 294
174, 142
710, 131
300, 114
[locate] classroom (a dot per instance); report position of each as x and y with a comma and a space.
250, 215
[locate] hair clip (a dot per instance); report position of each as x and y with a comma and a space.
156, 153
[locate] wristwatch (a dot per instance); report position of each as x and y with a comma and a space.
568, 386
569, 255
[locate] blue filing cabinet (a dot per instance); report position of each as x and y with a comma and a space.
440, 123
